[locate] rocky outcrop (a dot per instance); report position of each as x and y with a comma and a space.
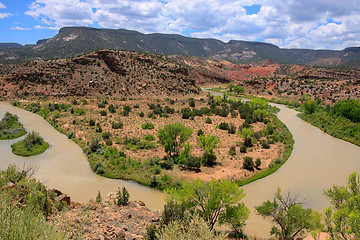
108, 221
213, 71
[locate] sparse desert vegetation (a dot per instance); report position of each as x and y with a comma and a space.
129, 146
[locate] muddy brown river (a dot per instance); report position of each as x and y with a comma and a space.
317, 162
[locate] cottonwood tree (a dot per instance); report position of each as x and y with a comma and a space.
213, 200
172, 136
239, 89
231, 86
208, 143
289, 216
310, 106
247, 134
342, 218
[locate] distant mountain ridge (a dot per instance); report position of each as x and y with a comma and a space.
72, 41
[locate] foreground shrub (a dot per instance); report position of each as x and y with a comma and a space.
194, 228
213, 200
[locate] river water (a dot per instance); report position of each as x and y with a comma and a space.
317, 162
65, 167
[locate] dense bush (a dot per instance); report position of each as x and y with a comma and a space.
248, 163
232, 151
117, 125
149, 137
223, 126
112, 108
106, 135
243, 149
147, 125
91, 123
349, 108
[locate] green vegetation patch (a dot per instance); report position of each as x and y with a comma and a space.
340, 121
112, 163
31, 145
25, 207
285, 136
337, 126
10, 127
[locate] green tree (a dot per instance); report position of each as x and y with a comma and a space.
342, 218
259, 103
248, 164
305, 97
310, 106
122, 198
172, 136
112, 108
231, 86
98, 198
213, 200
349, 108
247, 134
288, 214
208, 143
239, 89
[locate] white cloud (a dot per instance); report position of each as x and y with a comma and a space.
20, 28
294, 23
63, 13
4, 15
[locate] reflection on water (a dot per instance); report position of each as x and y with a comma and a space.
317, 162
65, 167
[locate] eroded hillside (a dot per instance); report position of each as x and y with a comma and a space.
100, 73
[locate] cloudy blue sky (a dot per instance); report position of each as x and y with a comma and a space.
314, 24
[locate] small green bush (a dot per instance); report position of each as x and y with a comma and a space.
106, 135
112, 108
223, 126
200, 132
117, 125
248, 163
232, 151
91, 123
208, 120
243, 149
147, 125
149, 137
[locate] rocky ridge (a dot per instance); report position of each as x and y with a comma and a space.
100, 73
